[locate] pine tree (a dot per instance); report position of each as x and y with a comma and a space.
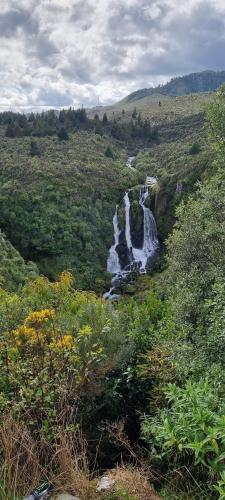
34, 149
105, 119
63, 135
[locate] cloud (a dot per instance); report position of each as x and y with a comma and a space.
64, 52
15, 19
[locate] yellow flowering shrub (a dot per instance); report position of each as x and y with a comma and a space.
38, 317
65, 342
53, 343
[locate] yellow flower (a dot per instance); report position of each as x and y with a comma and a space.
86, 331
27, 334
66, 342
40, 316
66, 278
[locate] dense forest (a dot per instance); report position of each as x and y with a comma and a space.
65, 121
87, 385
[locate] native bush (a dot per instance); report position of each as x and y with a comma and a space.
57, 346
191, 431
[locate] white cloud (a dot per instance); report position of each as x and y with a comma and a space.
85, 50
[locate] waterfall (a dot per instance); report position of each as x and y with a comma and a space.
127, 226
141, 256
150, 240
113, 262
138, 258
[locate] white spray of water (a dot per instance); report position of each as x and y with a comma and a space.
142, 255
113, 262
138, 257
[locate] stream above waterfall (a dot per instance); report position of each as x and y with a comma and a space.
134, 259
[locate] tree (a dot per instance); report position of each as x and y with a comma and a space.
196, 251
215, 117
139, 119
34, 149
10, 131
109, 152
134, 114
195, 148
105, 119
96, 118
63, 135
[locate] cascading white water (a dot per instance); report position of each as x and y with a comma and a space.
150, 242
138, 258
113, 262
127, 226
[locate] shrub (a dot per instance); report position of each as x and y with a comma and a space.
34, 149
57, 346
195, 148
109, 152
63, 134
192, 430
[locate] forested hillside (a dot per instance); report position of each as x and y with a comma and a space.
134, 387
58, 192
56, 207
205, 81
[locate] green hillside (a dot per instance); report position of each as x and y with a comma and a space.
14, 272
56, 208
205, 81
87, 384
57, 201
169, 110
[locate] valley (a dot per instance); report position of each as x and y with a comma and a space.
112, 271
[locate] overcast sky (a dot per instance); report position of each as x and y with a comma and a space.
58, 53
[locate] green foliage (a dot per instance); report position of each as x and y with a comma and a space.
57, 210
120, 494
109, 152
63, 134
58, 348
14, 272
34, 149
177, 172
192, 430
195, 148
105, 119
215, 118
188, 432
70, 120
196, 256
67, 357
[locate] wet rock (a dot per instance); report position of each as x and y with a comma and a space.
105, 484
122, 251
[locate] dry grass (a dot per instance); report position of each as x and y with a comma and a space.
134, 482
71, 461
21, 468
26, 464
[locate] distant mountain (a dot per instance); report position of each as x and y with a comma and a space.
206, 81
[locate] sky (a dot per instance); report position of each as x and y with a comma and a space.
59, 53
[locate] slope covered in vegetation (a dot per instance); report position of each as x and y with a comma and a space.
205, 81
158, 108
14, 272
83, 381
58, 194
56, 207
